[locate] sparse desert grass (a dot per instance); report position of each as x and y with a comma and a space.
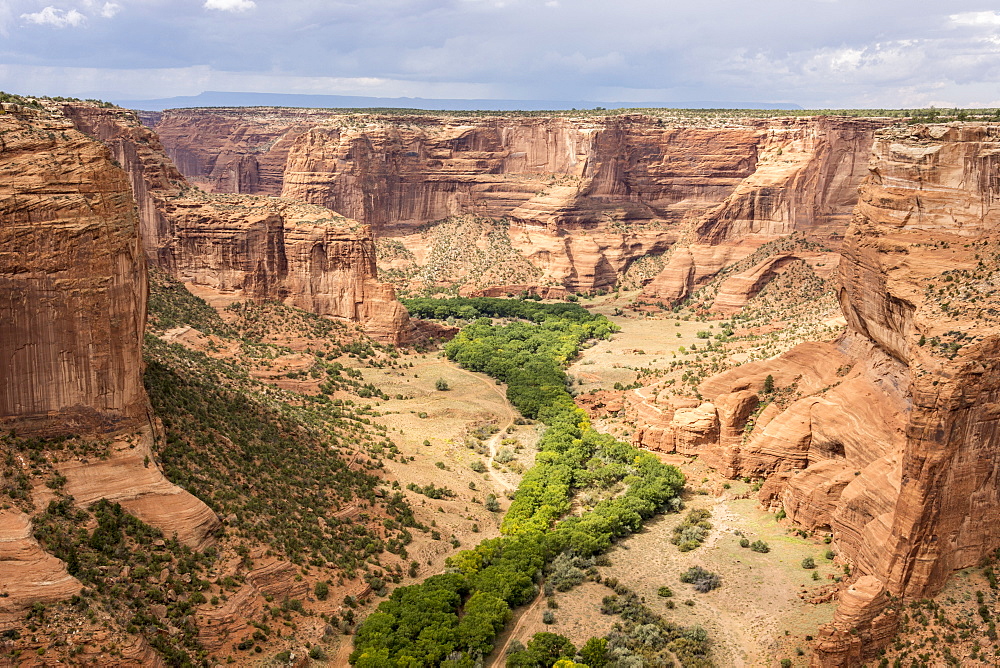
474, 405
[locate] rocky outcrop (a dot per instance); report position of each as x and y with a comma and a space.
272, 248
737, 290
864, 623
28, 575
258, 247
927, 218
138, 150
127, 474
584, 196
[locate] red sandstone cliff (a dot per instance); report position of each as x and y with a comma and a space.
72, 315
72, 282
805, 180
257, 247
584, 196
895, 445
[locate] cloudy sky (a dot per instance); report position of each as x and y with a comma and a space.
816, 53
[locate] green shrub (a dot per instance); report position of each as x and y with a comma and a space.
665, 592
441, 385
690, 533
760, 546
492, 504
504, 456
565, 574
744, 542
808, 562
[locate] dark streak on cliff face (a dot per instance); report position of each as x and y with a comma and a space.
72, 283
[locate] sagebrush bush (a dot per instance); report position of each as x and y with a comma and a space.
701, 579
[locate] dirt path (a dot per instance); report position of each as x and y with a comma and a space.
497, 437
511, 632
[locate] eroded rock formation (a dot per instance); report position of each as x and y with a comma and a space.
253, 246
805, 180
584, 196
28, 574
894, 444
864, 623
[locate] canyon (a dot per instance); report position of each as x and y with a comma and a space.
882, 435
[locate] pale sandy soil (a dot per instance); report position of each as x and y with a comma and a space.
760, 614
644, 340
471, 401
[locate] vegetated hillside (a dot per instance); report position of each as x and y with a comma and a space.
295, 476
457, 255
453, 619
294, 470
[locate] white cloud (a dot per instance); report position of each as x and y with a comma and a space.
976, 19
110, 9
57, 18
230, 5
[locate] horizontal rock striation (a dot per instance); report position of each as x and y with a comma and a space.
128, 475
584, 196
28, 574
